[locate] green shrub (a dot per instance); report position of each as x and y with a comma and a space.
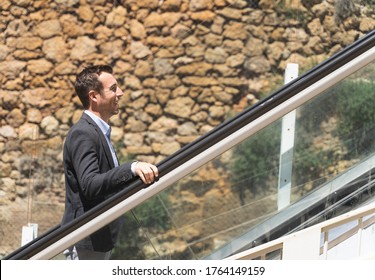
139, 227
255, 162
356, 114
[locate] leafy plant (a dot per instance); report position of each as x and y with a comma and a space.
356, 113
255, 162
343, 9
140, 224
351, 105
283, 8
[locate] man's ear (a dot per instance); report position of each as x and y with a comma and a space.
93, 96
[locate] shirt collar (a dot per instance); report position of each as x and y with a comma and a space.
104, 127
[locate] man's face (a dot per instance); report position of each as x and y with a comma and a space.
108, 99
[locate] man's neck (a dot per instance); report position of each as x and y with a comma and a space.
99, 115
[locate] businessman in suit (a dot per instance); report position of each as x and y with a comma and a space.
92, 171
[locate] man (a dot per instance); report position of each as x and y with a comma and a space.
92, 171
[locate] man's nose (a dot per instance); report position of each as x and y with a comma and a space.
119, 92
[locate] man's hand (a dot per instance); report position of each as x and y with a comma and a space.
146, 171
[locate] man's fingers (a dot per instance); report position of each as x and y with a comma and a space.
155, 170
148, 174
140, 174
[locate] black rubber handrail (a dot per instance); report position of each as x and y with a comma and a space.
202, 143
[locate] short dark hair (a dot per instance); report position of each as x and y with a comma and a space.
87, 80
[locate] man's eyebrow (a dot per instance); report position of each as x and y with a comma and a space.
113, 86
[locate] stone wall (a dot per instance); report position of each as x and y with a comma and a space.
185, 67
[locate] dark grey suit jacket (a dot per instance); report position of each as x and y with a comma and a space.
90, 178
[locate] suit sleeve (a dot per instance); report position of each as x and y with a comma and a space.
94, 175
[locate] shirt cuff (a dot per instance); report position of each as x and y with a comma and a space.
132, 167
